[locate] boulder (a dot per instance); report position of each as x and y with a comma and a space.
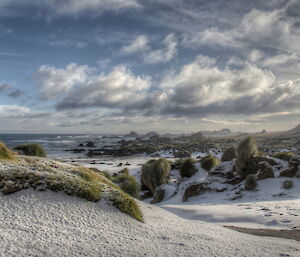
194, 190
266, 173
289, 172
236, 180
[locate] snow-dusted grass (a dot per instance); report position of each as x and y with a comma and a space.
5, 153
53, 224
44, 174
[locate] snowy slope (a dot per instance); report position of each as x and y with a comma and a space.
53, 224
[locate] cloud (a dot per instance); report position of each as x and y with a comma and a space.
10, 90
13, 111
257, 28
118, 89
70, 7
5, 87
54, 82
139, 44
165, 54
150, 56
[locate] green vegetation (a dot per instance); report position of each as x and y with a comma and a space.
31, 150
72, 180
128, 184
5, 153
286, 156
229, 154
187, 168
155, 173
208, 162
287, 184
246, 149
250, 182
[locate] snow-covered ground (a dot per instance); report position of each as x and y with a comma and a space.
53, 224
269, 206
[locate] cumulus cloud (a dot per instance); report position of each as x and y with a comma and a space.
53, 82
117, 89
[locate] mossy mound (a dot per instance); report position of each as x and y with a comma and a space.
287, 184
286, 156
208, 162
128, 184
31, 150
45, 174
229, 154
246, 149
155, 173
187, 168
5, 153
250, 182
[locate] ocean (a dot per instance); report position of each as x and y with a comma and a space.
57, 144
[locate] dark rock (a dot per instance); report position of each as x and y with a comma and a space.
194, 190
90, 144
10, 187
266, 173
120, 164
289, 172
81, 145
146, 195
236, 180
252, 165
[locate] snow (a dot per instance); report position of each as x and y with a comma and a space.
53, 224
270, 206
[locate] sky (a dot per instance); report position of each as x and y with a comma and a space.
179, 66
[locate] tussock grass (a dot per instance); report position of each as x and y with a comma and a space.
31, 150
42, 174
155, 173
128, 184
187, 168
5, 153
229, 154
208, 162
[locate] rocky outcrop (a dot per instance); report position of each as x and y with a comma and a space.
194, 190
267, 172
293, 169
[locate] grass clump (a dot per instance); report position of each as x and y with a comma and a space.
287, 184
155, 173
82, 182
187, 168
126, 204
5, 153
229, 154
208, 162
128, 184
246, 149
286, 156
31, 150
250, 182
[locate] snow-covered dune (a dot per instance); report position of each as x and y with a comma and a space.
53, 224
